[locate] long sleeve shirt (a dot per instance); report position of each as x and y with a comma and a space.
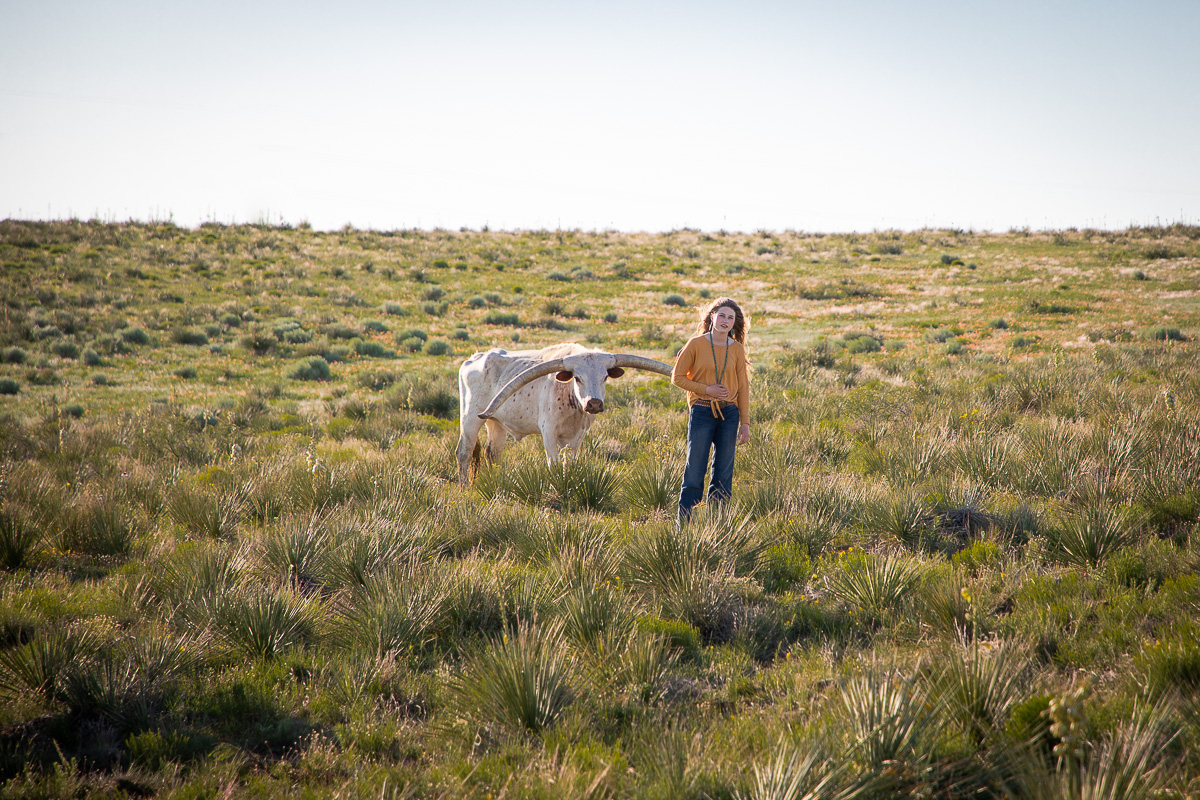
695, 371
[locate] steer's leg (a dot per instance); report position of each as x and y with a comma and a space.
551, 443
468, 441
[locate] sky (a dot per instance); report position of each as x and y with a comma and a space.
633, 116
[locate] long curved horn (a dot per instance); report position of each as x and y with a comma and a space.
517, 383
641, 362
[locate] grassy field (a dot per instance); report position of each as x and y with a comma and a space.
962, 561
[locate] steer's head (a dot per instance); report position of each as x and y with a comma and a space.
587, 373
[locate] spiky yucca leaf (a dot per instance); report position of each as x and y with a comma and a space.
902, 517
652, 484
297, 551
591, 613
41, 666
522, 681
395, 614
1128, 766
581, 482
1086, 538
205, 513
17, 539
979, 683
263, 621
875, 583
887, 718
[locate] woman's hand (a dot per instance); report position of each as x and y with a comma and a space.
717, 390
743, 434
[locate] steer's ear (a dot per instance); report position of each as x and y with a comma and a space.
615, 372
564, 376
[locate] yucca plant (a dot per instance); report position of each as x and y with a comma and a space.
979, 683
160, 659
42, 665
887, 718
358, 677
688, 571
18, 538
543, 537
875, 583
263, 622
1129, 765
583, 483
521, 681
1087, 537
592, 613
795, 774
644, 662
396, 614
985, 458
358, 550
523, 477
112, 687
902, 517
96, 527
204, 513
586, 562
297, 550
769, 497
196, 579
652, 484
669, 763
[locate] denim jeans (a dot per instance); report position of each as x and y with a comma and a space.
705, 432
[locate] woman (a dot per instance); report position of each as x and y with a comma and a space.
712, 368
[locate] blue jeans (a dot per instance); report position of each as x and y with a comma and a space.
707, 431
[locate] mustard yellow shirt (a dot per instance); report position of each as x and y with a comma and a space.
695, 371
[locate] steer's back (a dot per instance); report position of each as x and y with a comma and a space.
484, 374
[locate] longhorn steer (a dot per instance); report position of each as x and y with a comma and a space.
556, 391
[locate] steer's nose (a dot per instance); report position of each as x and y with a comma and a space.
594, 406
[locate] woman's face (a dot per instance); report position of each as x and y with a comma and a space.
723, 320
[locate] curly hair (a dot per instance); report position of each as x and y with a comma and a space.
741, 325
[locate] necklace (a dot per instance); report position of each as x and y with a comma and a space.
725, 363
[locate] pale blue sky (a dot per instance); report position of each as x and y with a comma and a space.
625, 115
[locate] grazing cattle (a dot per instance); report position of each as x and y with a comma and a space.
556, 391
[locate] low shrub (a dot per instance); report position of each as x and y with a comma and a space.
438, 347
314, 368
9, 386
376, 380
189, 336
501, 318
1162, 333
370, 349
13, 355
674, 300
65, 349
392, 308
134, 336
